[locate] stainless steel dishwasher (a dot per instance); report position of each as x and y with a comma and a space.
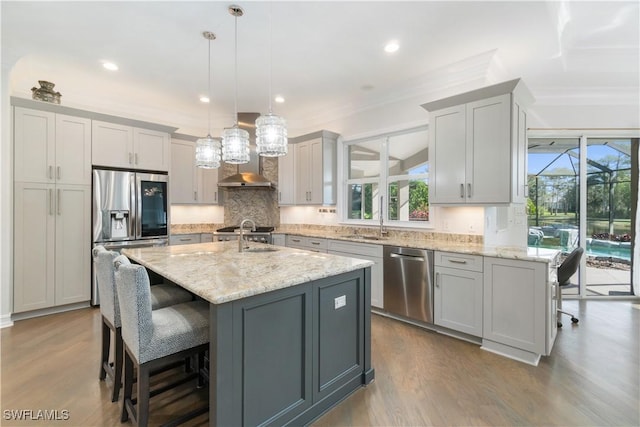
408, 279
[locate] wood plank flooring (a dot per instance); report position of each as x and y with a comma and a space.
422, 378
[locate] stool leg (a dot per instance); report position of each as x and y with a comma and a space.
143, 395
106, 344
117, 376
128, 387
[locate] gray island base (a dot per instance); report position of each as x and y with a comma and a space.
290, 329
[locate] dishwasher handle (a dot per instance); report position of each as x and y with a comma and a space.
407, 257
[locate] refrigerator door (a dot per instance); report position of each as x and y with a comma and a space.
152, 220
113, 206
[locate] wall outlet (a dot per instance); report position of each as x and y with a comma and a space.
340, 302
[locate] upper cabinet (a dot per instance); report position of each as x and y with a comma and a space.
286, 181
190, 184
51, 148
477, 146
121, 146
315, 162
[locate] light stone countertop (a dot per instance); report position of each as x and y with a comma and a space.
410, 241
218, 273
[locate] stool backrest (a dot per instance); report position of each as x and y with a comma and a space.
105, 277
134, 296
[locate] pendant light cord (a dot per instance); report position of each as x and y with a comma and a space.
209, 90
236, 68
270, 56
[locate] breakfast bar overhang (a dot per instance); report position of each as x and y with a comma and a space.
290, 329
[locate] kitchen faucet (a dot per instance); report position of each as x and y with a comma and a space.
241, 238
383, 231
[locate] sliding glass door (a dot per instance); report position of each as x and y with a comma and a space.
598, 217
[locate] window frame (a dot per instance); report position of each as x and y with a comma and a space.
383, 181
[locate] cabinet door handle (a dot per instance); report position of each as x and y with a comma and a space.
130, 158
279, 196
135, 156
462, 191
457, 261
469, 189
50, 201
215, 196
59, 202
315, 243
195, 196
185, 240
295, 240
50, 172
437, 280
59, 172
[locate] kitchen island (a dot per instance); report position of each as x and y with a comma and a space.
290, 329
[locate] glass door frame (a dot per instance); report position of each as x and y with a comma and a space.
583, 135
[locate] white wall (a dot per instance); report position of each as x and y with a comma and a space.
185, 214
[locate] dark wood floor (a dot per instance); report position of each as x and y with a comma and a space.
422, 378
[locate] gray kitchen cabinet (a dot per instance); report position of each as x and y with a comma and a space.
458, 292
122, 146
190, 184
307, 243
519, 308
315, 168
206, 237
478, 146
302, 349
52, 209
286, 179
185, 239
371, 252
51, 148
278, 239
52, 245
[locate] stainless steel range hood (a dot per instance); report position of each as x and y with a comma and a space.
248, 175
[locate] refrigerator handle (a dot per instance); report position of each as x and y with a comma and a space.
135, 208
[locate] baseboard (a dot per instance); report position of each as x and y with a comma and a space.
49, 310
511, 352
5, 321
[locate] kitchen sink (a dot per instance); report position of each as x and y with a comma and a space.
363, 237
261, 249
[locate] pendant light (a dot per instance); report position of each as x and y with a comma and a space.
271, 130
208, 149
235, 141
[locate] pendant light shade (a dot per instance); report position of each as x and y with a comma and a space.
235, 141
208, 153
271, 130
208, 149
235, 148
271, 136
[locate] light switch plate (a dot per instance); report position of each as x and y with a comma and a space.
339, 302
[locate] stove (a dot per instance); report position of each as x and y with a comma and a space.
225, 234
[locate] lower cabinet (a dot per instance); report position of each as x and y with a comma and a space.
458, 292
307, 243
519, 305
52, 245
185, 239
297, 351
370, 252
279, 239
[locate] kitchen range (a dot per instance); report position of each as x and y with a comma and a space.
259, 234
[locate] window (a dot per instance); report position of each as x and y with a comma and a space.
392, 167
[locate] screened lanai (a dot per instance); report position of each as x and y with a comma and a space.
554, 207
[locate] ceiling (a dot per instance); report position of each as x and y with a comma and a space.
327, 57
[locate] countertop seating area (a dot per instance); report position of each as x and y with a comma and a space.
162, 295
154, 339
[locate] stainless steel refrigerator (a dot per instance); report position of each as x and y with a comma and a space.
130, 209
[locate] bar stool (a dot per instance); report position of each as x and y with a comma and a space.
155, 338
162, 295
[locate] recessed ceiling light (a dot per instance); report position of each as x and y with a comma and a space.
279, 99
391, 46
204, 99
110, 66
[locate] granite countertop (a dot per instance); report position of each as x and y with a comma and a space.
218, 273
525, 254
